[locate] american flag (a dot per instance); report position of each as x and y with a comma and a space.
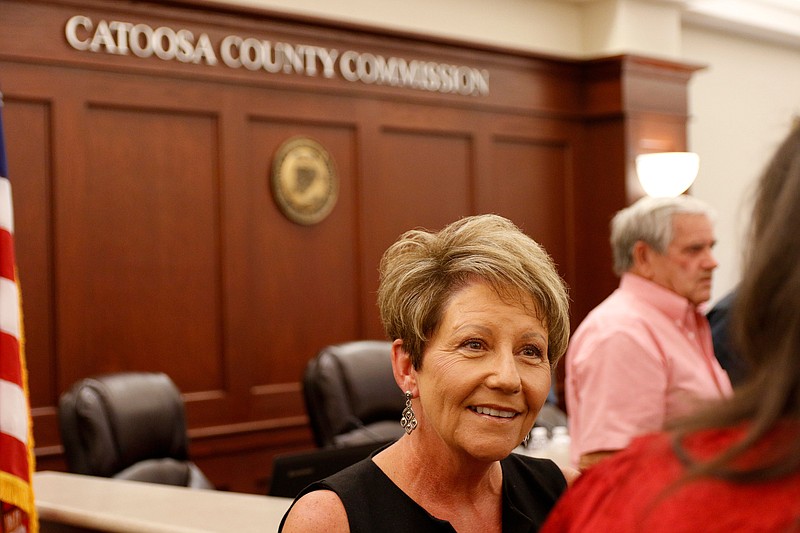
17, 508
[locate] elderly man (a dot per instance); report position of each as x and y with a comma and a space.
644, 355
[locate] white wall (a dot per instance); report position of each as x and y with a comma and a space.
741, 104
549, 26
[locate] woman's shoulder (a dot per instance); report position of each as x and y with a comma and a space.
608, 493
318, 510
321, 506
646, 455
642, 488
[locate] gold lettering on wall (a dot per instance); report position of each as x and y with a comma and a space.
143, 41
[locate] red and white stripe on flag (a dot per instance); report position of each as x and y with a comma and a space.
16, 437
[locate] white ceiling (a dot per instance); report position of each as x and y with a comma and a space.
773, 20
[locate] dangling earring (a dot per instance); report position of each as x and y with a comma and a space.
527, 439
408, 421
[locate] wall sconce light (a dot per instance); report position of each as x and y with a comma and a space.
667, 173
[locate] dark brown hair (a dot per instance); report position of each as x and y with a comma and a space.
766, 326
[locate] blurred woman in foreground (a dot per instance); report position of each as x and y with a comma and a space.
735, 466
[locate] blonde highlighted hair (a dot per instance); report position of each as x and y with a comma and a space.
422, 270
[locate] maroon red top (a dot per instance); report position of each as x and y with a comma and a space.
635, 491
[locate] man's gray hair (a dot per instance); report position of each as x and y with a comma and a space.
649, 220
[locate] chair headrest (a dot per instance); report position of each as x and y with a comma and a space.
111, 422
366, 368
350, 385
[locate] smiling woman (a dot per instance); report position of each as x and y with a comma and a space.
478, 317
485, 374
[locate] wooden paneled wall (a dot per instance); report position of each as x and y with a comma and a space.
148, 237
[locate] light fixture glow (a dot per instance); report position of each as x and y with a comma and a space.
667, 173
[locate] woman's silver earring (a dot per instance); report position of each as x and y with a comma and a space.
408, 420
527, 439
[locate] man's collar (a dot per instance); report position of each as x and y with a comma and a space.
672, 304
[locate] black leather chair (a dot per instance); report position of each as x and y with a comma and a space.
351, 396
294, 471
128, 425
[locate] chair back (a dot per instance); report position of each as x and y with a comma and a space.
128, 425
294, 471
351, 395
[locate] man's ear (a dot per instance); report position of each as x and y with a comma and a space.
643, 259
404, 373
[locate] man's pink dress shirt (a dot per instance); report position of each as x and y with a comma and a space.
640, 358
